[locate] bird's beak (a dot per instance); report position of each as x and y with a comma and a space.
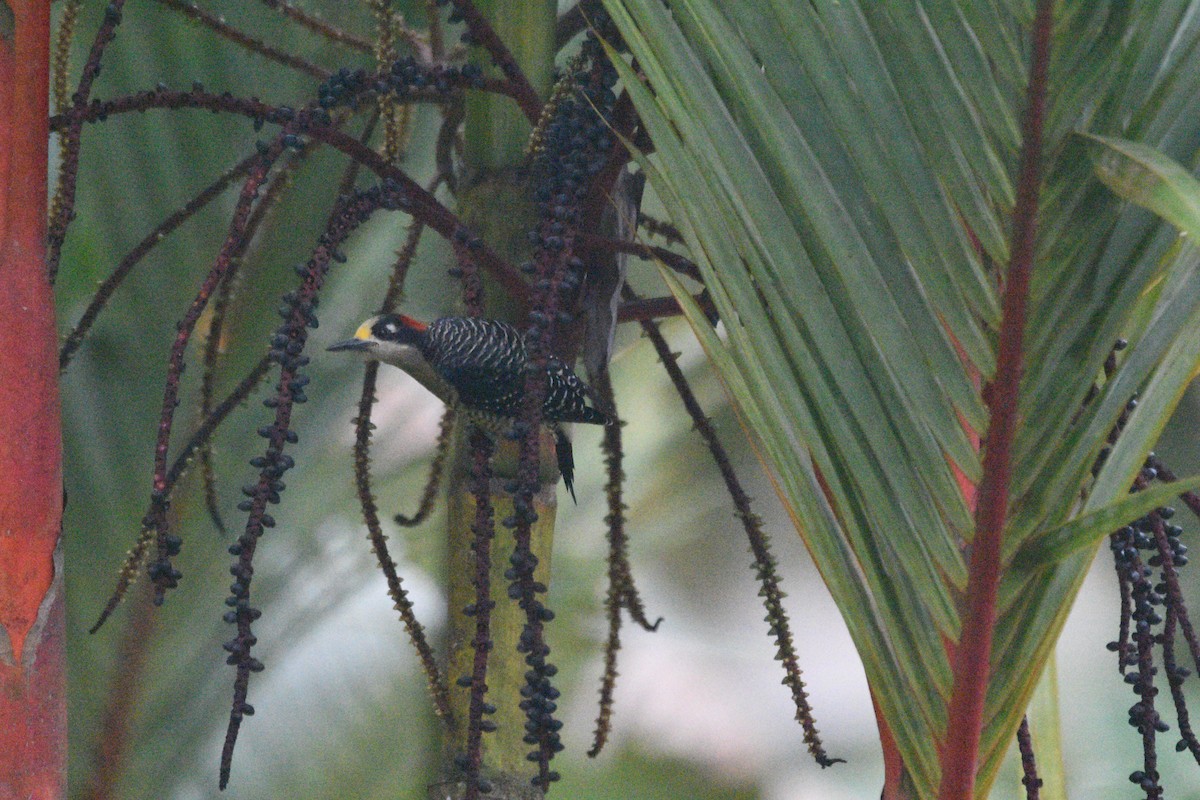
358, 345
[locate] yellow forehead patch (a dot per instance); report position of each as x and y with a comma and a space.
364, 331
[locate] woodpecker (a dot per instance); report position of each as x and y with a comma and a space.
478, 366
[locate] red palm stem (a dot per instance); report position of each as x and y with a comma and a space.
32, 674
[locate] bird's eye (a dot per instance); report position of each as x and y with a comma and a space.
390, 327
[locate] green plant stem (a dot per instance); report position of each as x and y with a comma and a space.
496, 128
494, 206
504, 751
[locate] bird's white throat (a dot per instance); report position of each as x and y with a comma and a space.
409, 358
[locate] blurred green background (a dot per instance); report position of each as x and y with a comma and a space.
342, 709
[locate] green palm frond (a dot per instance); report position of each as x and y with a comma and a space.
843, 173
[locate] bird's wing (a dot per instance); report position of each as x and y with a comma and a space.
566, 397
484, 359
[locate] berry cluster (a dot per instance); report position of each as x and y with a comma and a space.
471, 761
298, 310
575, 142
1151, 607
405, 77
161, 570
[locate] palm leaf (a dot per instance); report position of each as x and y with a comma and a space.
843, 174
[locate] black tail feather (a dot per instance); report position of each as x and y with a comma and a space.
566, 460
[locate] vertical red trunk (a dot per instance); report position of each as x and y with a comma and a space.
32, 697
